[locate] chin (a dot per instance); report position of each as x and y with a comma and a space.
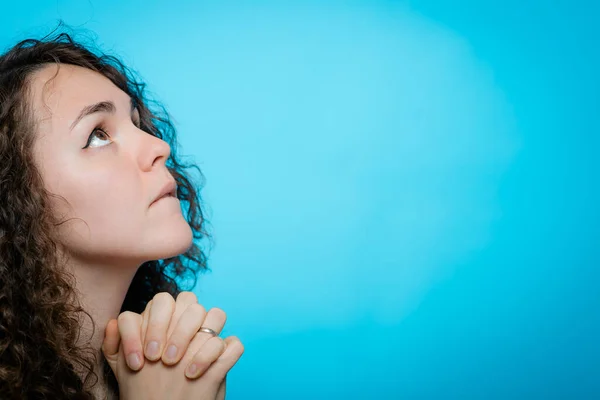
170, 243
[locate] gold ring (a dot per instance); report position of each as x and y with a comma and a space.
208, 330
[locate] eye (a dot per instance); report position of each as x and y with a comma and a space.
102, 132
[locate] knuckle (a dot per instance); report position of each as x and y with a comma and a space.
233, 339
147, 308
218, 313
225, 346
153, 324
196, 308
218, 376
163, 297
216, 341
202, 358
187, 297
131, 343
125, 315
236, 347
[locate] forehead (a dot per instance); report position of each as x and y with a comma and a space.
59, 91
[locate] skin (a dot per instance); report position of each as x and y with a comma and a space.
108, 188
213, 356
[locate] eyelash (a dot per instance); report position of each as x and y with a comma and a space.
100, 127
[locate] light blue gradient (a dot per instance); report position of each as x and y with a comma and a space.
403, 195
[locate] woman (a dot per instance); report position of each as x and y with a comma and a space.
90, 217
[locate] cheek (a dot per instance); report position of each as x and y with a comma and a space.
105, 192
104, 200
98, 196
106, 212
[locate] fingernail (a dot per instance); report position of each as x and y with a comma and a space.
152, 349
134, 361
191, 370
171, 352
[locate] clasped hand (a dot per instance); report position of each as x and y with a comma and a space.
167, 331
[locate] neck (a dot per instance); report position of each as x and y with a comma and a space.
101, 289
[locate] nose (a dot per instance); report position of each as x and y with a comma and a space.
154, 150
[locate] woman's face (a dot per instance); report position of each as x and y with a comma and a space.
109, 179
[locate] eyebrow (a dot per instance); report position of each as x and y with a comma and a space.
102, 106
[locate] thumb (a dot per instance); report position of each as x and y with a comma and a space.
110, 344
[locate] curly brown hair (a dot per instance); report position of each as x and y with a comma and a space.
40, 313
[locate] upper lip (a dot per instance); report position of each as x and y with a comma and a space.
169, 188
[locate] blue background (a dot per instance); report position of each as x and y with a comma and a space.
403, 195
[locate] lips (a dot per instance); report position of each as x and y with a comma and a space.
166, 195
168, 190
